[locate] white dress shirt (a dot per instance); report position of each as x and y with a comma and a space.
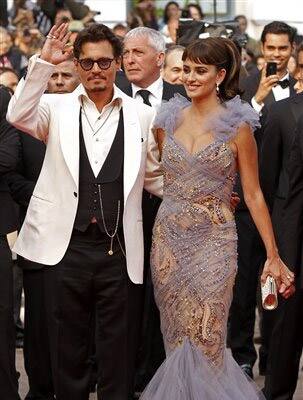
278, 92
156, 92
99, 129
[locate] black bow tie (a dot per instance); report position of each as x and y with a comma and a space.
284, 84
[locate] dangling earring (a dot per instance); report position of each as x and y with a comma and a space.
217, 89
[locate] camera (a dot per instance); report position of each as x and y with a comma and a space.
190, 30
271, 68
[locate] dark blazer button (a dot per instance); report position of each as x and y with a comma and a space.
75, 194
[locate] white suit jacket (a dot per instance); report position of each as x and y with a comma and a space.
53, 118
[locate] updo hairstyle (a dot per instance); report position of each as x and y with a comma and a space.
223, 54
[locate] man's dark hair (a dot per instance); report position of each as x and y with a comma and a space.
278, 28
97, 33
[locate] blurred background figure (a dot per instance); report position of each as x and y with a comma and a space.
299, 71
63, 15
146, 10
172, 13
29, 41
260, 62
3, 13
248, 61
194, 11
75, 27
251, 44
133, 20
292, 65
22, 14
10, 56
64, 79
173, 65
9, 78
120, 30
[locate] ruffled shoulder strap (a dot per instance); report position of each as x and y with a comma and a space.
169, 113
236, 113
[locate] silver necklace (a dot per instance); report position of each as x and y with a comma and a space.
92, 129
111, 236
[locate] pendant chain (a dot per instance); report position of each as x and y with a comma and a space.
92, 129
111, 236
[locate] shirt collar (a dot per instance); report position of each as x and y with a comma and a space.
81, 93
155, 88
286, 76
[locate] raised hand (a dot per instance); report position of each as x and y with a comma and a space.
265, 85
54, 50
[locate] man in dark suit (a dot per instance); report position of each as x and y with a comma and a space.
144, 51
8, 223
287, 336
278, 136
36, 349
259, 90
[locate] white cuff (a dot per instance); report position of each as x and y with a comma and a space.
258, 107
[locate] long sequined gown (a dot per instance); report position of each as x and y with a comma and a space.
194, 261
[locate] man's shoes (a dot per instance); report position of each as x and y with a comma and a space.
247, 369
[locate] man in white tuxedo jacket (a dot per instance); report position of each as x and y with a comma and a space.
84, 220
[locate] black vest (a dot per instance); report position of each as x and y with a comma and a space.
110, 181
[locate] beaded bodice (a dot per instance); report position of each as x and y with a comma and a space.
205, 178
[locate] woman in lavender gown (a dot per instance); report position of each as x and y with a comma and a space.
194, 255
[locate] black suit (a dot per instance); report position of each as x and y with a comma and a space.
287, 335
36, 342
8, 223
251, 256
151, 353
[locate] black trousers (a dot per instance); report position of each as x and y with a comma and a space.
88, 281
36, 340
151, 350
285, 349
8, 375
243, 307
268, 318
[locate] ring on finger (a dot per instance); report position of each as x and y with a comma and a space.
49, 36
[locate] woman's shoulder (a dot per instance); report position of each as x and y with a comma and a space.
236, 113
169, 113
242, 112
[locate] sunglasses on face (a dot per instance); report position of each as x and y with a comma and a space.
103, 63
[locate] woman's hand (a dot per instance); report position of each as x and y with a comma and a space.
284, 278
54, 50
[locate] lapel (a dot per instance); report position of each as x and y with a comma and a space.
170, 90
132, 143
68, 126
292, 83
296, 106
269, 99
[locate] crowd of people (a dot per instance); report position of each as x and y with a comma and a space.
153, 185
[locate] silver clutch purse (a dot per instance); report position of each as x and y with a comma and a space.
269, 294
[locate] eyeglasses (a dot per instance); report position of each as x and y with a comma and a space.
103, 63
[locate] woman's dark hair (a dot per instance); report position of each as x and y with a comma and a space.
165, 14
197, 7
278, 28
223, 54
97, 33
